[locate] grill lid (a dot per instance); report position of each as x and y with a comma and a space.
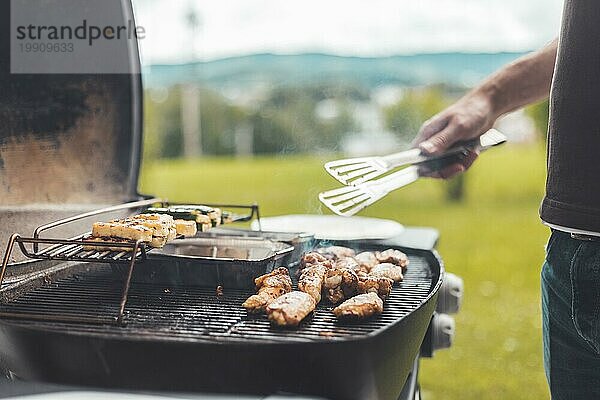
70, 138
69, 143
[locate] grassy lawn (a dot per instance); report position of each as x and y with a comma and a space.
493, 239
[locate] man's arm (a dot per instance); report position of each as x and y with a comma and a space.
522, 82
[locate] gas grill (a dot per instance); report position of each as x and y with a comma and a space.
209, 343
107, 319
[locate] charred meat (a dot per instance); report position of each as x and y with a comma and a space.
313, 258
291, 308
336, 252
360, 307
392, 256
366, 260
311, 281
340, 284
269, 287
373, 284
349, 263
388, 270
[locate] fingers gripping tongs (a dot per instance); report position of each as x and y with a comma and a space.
358, 173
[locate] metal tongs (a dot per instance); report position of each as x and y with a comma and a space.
358, 173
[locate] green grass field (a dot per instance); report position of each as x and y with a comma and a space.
493, 239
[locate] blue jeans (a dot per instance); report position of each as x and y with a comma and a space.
571, 317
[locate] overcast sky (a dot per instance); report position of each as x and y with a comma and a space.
347, 27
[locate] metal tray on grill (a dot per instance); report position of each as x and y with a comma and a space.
302, 241
231, 262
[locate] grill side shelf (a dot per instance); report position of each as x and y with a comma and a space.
74, 250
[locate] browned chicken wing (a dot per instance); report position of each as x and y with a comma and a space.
291, 308
373, 284
348, 262
366, 260
312, 258
311, 281
340, 284
360, 307
392, 256
336, 252
388, 270
269, 286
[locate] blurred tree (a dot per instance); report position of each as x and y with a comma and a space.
163, 134
417, 105
162, 125
539, 113
287, 120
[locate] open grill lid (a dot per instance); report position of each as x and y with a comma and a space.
68, 142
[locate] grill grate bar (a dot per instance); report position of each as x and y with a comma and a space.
196, 313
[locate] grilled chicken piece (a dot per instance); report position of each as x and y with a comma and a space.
333, 278
360, 307
311, 281
392, 256
336, 252
291, 308
313, 258
335, 295
388, 270
340, 284
367, 260
373, 284
269, 286
350, 263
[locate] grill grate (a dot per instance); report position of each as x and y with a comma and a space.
197, 313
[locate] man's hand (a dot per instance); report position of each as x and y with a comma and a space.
467, 119
522, 82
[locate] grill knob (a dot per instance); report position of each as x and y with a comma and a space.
442, 331
451, 293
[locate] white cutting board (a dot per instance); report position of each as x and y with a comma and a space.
332, 226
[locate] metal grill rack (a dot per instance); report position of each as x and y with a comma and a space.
191, 313
74, 249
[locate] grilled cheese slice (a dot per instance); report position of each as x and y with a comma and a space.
166, 218
185, 228
133, 232
159, 228
158, 241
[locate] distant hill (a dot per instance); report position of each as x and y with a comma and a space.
461, 69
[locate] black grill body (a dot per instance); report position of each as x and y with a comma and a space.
189, 339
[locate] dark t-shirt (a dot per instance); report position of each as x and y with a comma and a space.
573, 185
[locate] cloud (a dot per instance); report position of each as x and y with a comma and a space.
350, 27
